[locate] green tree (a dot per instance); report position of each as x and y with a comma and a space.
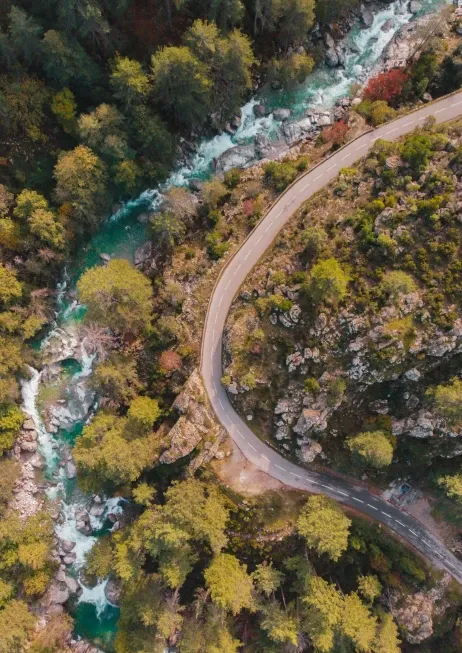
325, 611
297, 20
102, 130
280, 625
267, 579
81, 182
129, 81
117, 380
64, 107
11, 419
357, 623
447, 400
111, 452
226, 13
290, 71
266, 15
167, 228
328, 12
386, 640
452, 485
25, 35
229, 583
324, 526
181, 84
213, 192
118, 296
154, 144
372, 448
10, 287
9, 473
416, 151
328, 281
32, 208
16, 626
142, 414
66, 63
396, 283
370, 587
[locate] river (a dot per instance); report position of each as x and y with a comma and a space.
119, 237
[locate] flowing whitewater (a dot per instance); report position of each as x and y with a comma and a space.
82, 519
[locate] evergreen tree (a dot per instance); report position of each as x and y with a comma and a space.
324, 526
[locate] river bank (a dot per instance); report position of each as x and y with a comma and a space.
79, 521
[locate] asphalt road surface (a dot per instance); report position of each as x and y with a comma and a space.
234, 274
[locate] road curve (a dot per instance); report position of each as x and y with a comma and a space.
232, 277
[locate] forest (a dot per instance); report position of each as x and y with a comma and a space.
97, 98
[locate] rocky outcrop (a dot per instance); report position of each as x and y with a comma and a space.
308, 450
196, 425
148, 257
236, 157
416, 613
310, 420
63, 344
112, 592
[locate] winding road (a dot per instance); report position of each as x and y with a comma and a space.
227, 286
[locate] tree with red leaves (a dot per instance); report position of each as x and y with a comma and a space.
336, 133
386, 86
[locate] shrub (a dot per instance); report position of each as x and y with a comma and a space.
232, 178
386, 86
249, 381
372, 448
447, 400
280, 175
398, 283
311, 385
328, 281
335, 134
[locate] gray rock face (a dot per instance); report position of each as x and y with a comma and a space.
367, 17
414, 6
236, 157
421, 426
308, 451
259, 110
112, 592
67, 545
308, 420
58, 593
71, 469
292, 132
263, 146
147, 257
332, 58
281, 114
184, 438
379, 406
388, 25
412, 375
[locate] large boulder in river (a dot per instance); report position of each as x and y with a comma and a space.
281, 114
292, 132
235, 157
414, 6
332, 58
367, 16
112, 592
259, 110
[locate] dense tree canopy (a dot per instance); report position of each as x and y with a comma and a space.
117, 296
324, 526
372, 448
